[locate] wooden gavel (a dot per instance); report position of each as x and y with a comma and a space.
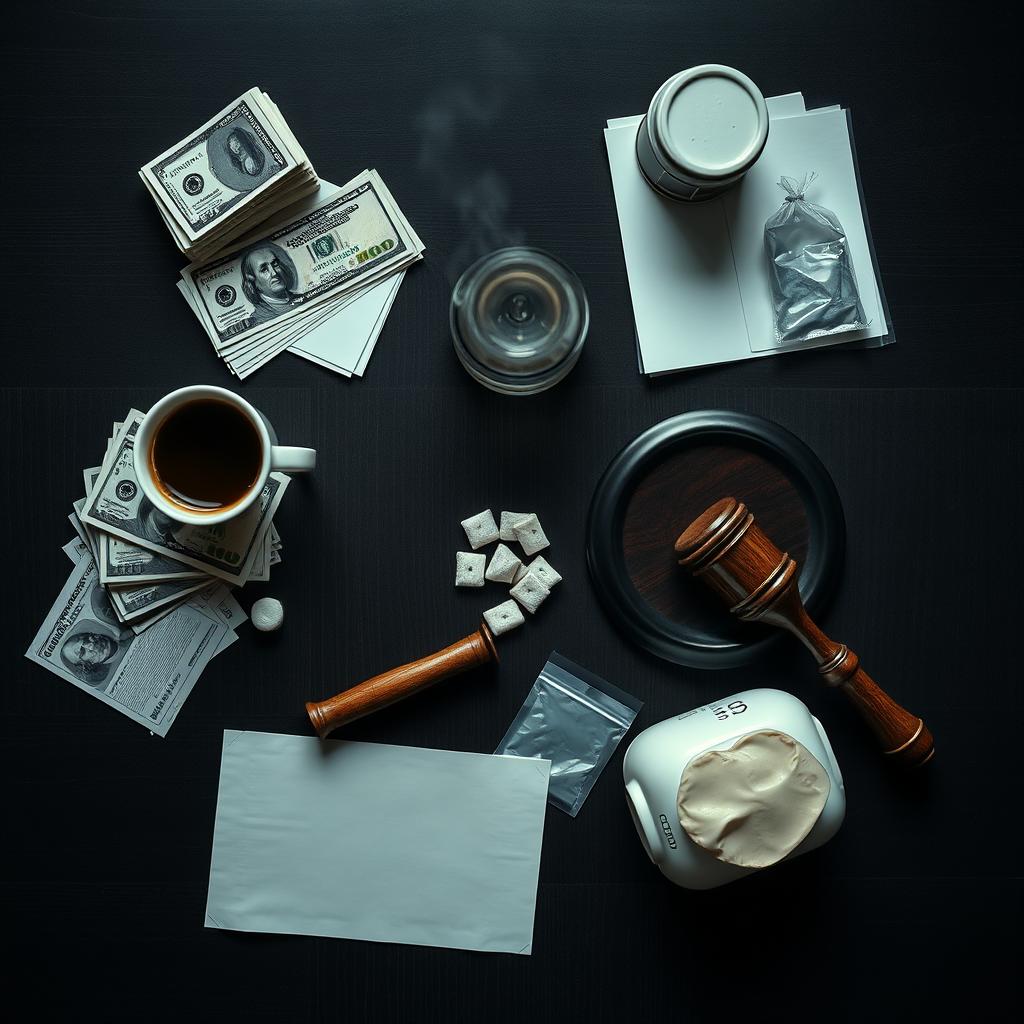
726, 549
476, 649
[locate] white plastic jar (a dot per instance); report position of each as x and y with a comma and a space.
654, 764
704, 130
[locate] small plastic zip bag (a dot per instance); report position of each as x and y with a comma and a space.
574, 719
814, 290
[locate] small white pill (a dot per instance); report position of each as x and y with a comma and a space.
481, 529
503, 617
530, 592
530, 534
542, 568
469, 569
504, 565
267, 614
508, 523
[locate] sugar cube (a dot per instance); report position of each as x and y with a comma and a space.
541, 567
508, 522
530, 592
503, 617
480, 529
504, 565
530, 534
469, 569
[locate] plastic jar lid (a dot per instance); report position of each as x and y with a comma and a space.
708, 122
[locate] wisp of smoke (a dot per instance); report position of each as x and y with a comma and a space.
454, 121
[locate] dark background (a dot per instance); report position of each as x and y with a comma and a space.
914, 907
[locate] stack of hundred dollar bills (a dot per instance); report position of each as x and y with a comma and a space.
241, 167
149, 603
339, 253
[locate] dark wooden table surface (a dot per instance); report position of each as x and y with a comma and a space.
915, 906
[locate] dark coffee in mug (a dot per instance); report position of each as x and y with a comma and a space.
206, 455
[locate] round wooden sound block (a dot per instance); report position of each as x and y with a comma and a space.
659, 483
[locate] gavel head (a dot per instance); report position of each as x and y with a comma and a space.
728, 550
724, 546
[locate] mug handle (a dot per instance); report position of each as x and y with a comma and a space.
292, 460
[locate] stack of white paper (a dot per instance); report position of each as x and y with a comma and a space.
344, 342
379, 842
697, 271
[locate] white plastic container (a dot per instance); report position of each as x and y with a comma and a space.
654, 764
705, 128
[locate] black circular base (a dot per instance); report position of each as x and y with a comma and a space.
654, 488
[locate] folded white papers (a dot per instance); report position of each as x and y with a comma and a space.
345, 341
378, 842
696, 271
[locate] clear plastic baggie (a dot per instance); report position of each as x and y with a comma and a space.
813, 286
575, 719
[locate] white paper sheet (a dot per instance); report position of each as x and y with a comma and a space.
378, 842
696, 272
345, 342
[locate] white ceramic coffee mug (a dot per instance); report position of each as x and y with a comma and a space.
273, 457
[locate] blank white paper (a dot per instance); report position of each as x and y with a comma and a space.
344, 342
378, 842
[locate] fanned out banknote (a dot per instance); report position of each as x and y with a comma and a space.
222, 180
139, 639
144, 583
277, 285
230, 551
147, 673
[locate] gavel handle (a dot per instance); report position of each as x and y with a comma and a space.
904, 737
476, 649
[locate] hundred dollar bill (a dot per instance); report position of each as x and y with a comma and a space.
143, 622
130, 598
351, 239
131, 603
227, 550
76, 522
244, 362
136, 602
212, 597
141, 625
247, 356
145, 677
87, 533
233, 159
260, 571
122, 564
76, 549
217, 598
266, 347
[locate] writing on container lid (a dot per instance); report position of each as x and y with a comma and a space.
709, 122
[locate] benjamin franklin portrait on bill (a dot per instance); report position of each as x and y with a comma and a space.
269, 280
156, 526
243, 152
90, 655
